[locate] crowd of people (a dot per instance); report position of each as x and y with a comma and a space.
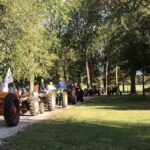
74, 92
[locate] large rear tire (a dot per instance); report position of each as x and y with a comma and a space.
41, 107
34, 106
11, 110
51, 101
65, 99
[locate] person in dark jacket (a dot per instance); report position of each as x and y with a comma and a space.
80, 94
42, 86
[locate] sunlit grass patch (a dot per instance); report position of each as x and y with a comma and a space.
107, 122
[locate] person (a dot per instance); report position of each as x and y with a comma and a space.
69, 90
60, 84
85, 92
36, 87
73, 94
60, 89
80, 95
50, 87
42, 86
35, 93
36, 90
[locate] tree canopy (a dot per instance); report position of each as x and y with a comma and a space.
74, 39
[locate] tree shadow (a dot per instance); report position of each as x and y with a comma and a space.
124, 102
72, 135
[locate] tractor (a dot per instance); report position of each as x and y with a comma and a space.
37, 104
9, 107
47, 101
28, 102
62, 98
12, 104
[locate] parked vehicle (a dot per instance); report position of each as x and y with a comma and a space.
147, 90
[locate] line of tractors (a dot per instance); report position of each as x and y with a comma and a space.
12, 105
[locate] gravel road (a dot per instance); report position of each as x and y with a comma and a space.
28, 120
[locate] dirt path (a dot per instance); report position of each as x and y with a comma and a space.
26, 121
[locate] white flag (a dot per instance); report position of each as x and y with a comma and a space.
8, 77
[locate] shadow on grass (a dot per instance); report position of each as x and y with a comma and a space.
123, 102
70, 135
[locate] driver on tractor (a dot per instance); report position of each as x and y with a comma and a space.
61, 84
60, 91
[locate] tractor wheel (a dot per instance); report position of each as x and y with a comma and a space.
51, 101
34, 106
11, 110
41, 107
65, 99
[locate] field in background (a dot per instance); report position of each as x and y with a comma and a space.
139, 88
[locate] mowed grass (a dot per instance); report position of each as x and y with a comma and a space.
104, 123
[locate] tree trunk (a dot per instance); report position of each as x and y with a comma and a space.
143, 84
123, 86
117, 83
106, 77
91, 69
64, 64
32, 83
133, 89
64, 70
88, 71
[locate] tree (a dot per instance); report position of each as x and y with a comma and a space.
24, 39
134, 45
56, 23
79, 34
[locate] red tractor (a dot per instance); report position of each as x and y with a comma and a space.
9, 107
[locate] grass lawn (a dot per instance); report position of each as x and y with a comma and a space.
105, 123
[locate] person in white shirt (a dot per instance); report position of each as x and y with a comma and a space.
50, 87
